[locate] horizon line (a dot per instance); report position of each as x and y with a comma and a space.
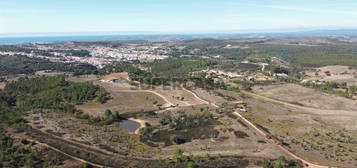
103, 33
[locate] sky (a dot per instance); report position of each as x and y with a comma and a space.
174, 16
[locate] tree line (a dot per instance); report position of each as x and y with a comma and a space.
20, 64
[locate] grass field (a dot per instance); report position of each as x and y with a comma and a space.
124, 102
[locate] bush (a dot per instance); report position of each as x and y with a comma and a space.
147, 130
86, 165
191, 164
176, 140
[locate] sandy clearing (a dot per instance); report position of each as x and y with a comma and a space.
141, 122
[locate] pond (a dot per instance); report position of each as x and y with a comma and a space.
130, 126
119, 81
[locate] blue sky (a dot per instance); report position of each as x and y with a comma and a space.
24, 16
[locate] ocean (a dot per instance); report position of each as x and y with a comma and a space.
54, 39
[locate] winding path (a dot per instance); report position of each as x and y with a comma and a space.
203, 100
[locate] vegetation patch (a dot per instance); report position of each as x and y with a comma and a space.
180, 129
19, 64
240, 134
173, 137
53, 93
24, 155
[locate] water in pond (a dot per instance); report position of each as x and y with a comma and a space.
129, 125
119, 81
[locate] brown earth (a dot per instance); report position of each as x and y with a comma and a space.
308, 97
316, 126
338, 73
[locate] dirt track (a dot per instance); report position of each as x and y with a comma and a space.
202, 100
306, 163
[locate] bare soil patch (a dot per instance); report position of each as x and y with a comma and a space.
308, 97
335, 73
113, 76
324, 137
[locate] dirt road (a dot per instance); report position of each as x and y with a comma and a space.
262, 133
277, 144
202, 100
306, 163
